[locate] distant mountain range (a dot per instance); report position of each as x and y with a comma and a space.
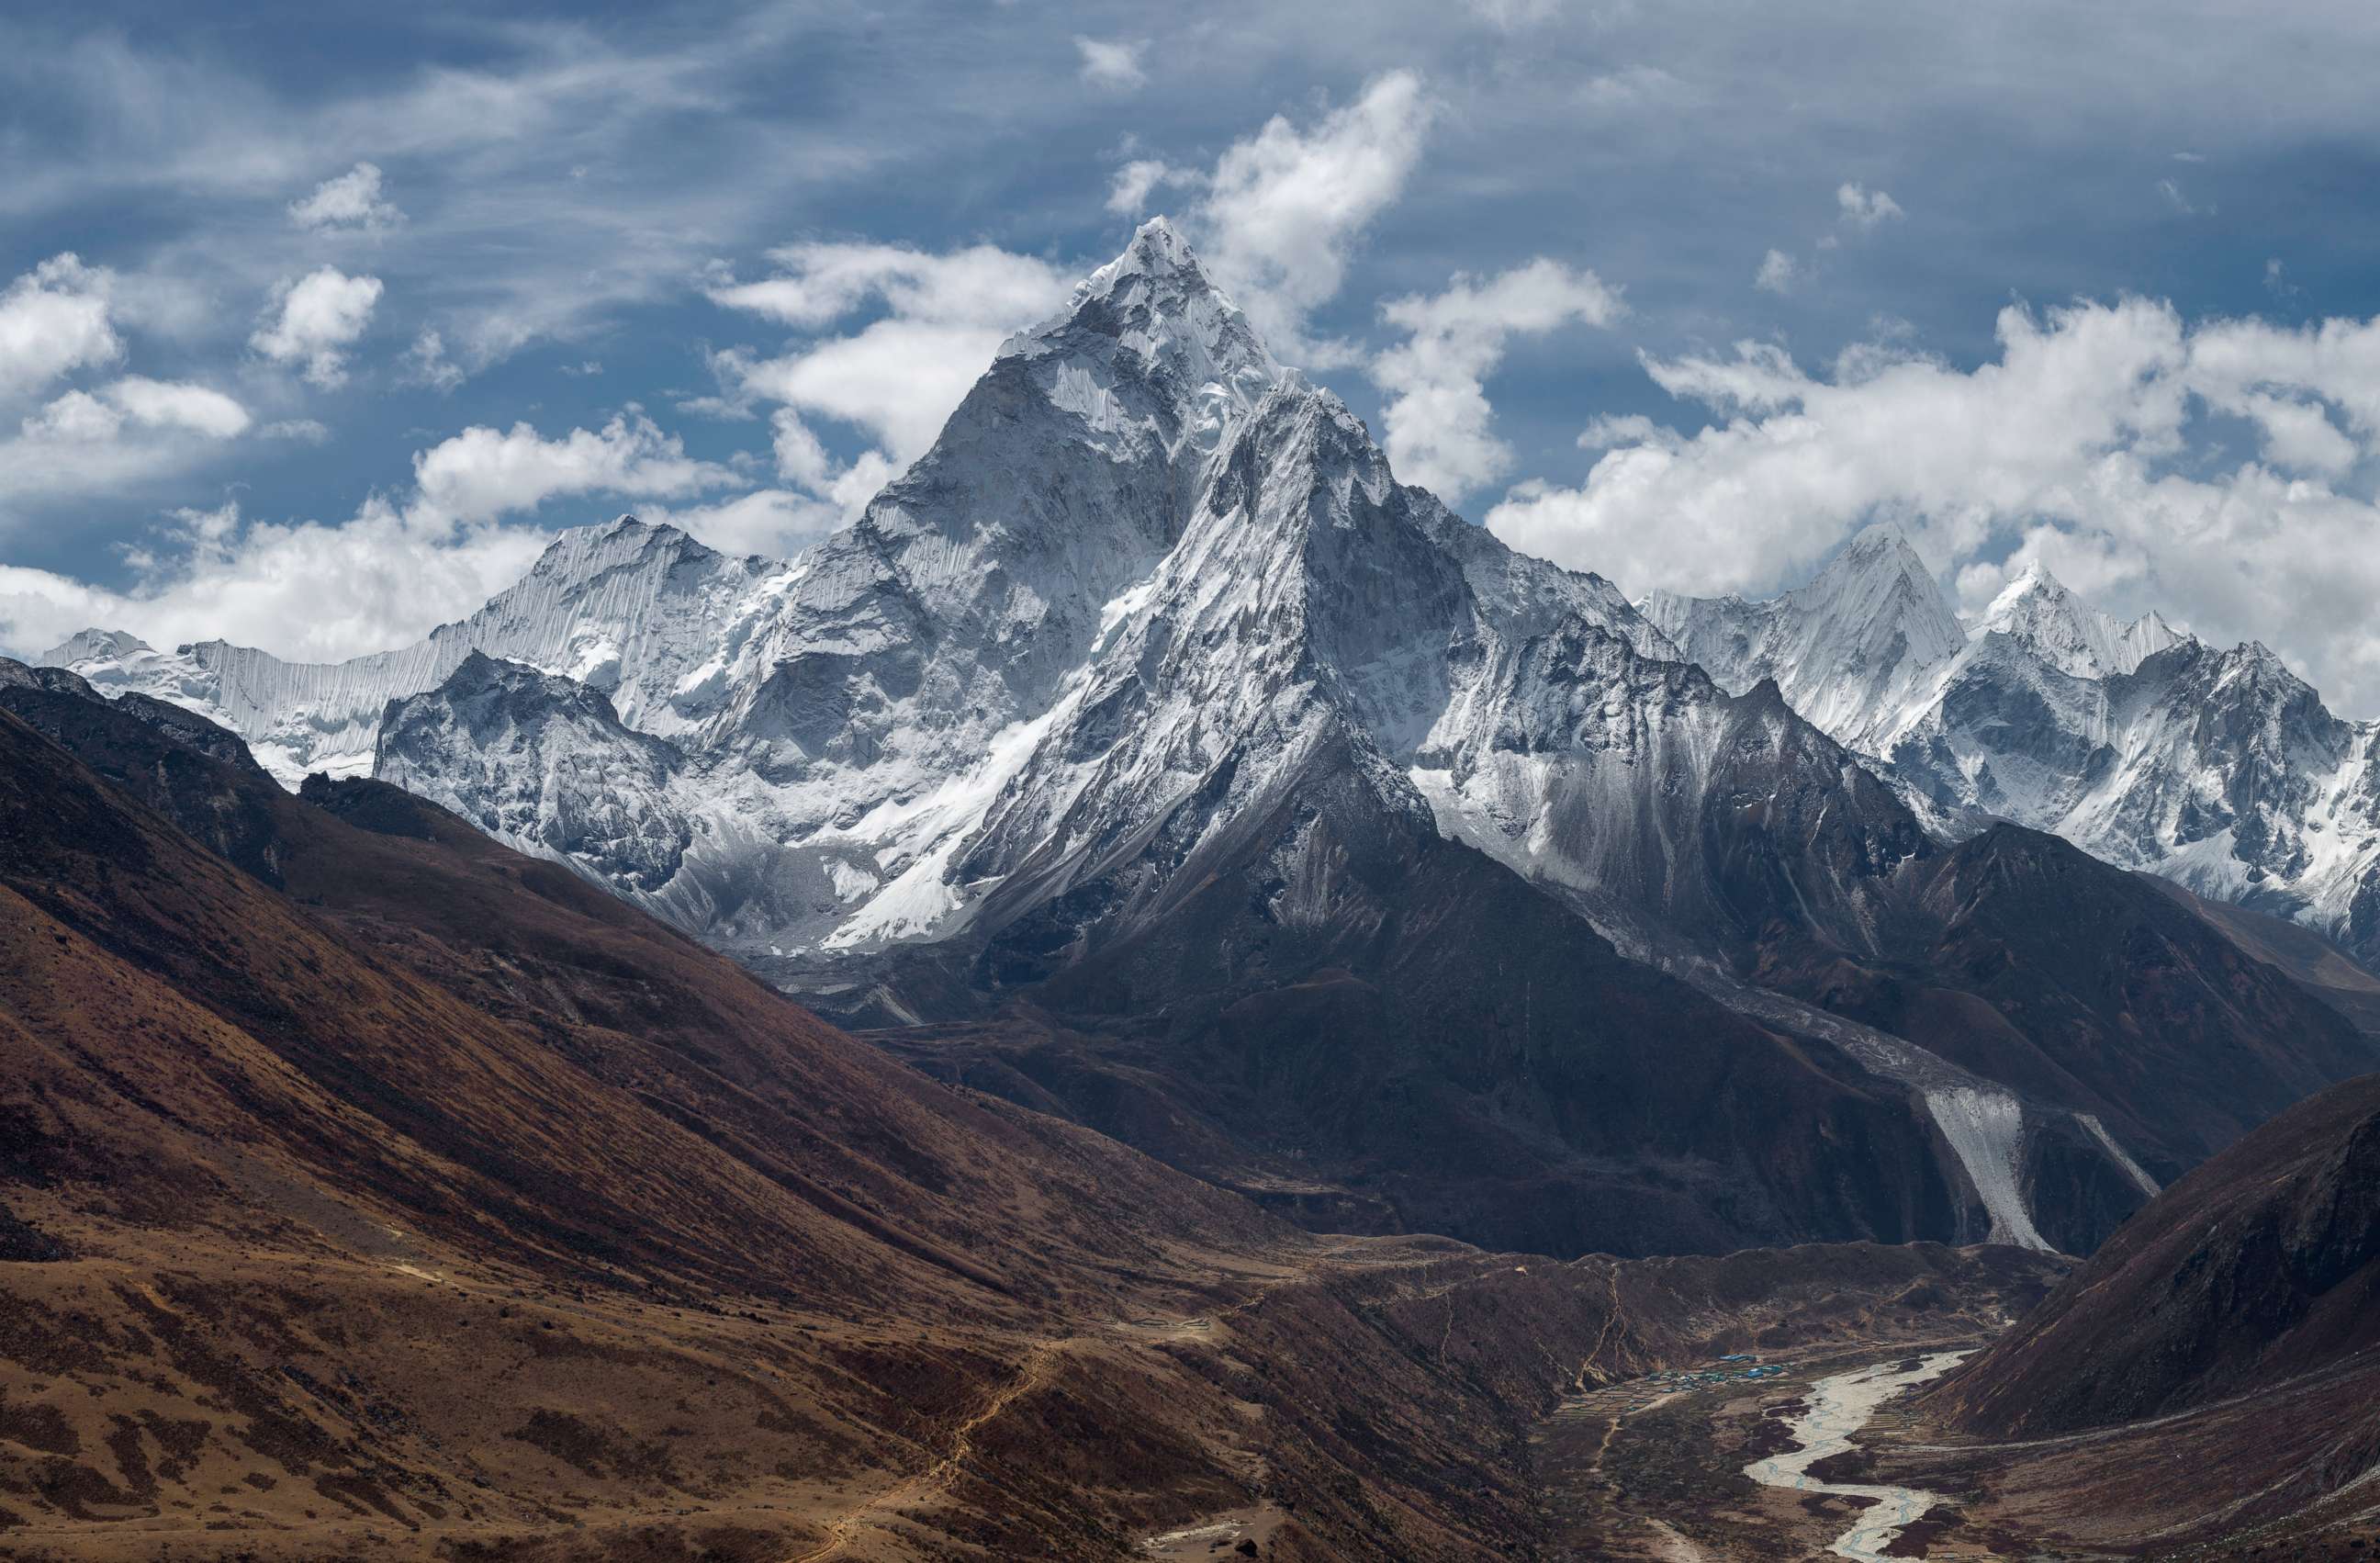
2219, 769
1148, 753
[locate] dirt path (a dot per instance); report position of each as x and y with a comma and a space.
1611, 1431
936, 1478
1608, 1520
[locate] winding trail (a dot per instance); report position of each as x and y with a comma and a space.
1033, 1374
1611, 1429
1840, 1407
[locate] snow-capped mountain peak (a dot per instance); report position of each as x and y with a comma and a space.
95, 645
2221, 769
1158, 257
631, 609
1150, 674
1845, 648
1877, 592
1141, 559
114, 662
533, 740
1185, 338
2068, 634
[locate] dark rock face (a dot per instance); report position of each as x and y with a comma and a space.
1343, 994
1282, 975
1349, 993
2067, 1186
2259, 1266
199, 775
2363, 917
2175, 1037
374, 805
2216, 768
2022, 714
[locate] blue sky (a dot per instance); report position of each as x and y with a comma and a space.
363, 301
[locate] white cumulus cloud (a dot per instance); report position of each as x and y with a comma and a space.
1284, 208
309, 591
351, 202
819, 283
314, 320
940, 318
778, 521
1779, 273
1133, 183
426, 363
1437, 418
1864, 209
118, 436
163, 404
482, 473
53, 319
321, 591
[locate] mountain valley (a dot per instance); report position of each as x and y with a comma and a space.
371, 1185
1160, 994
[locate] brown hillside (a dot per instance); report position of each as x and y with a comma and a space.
397, 1195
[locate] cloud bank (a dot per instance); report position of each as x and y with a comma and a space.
2095, 440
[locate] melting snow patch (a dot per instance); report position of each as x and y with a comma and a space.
1123, 607
850, 881
909, 908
